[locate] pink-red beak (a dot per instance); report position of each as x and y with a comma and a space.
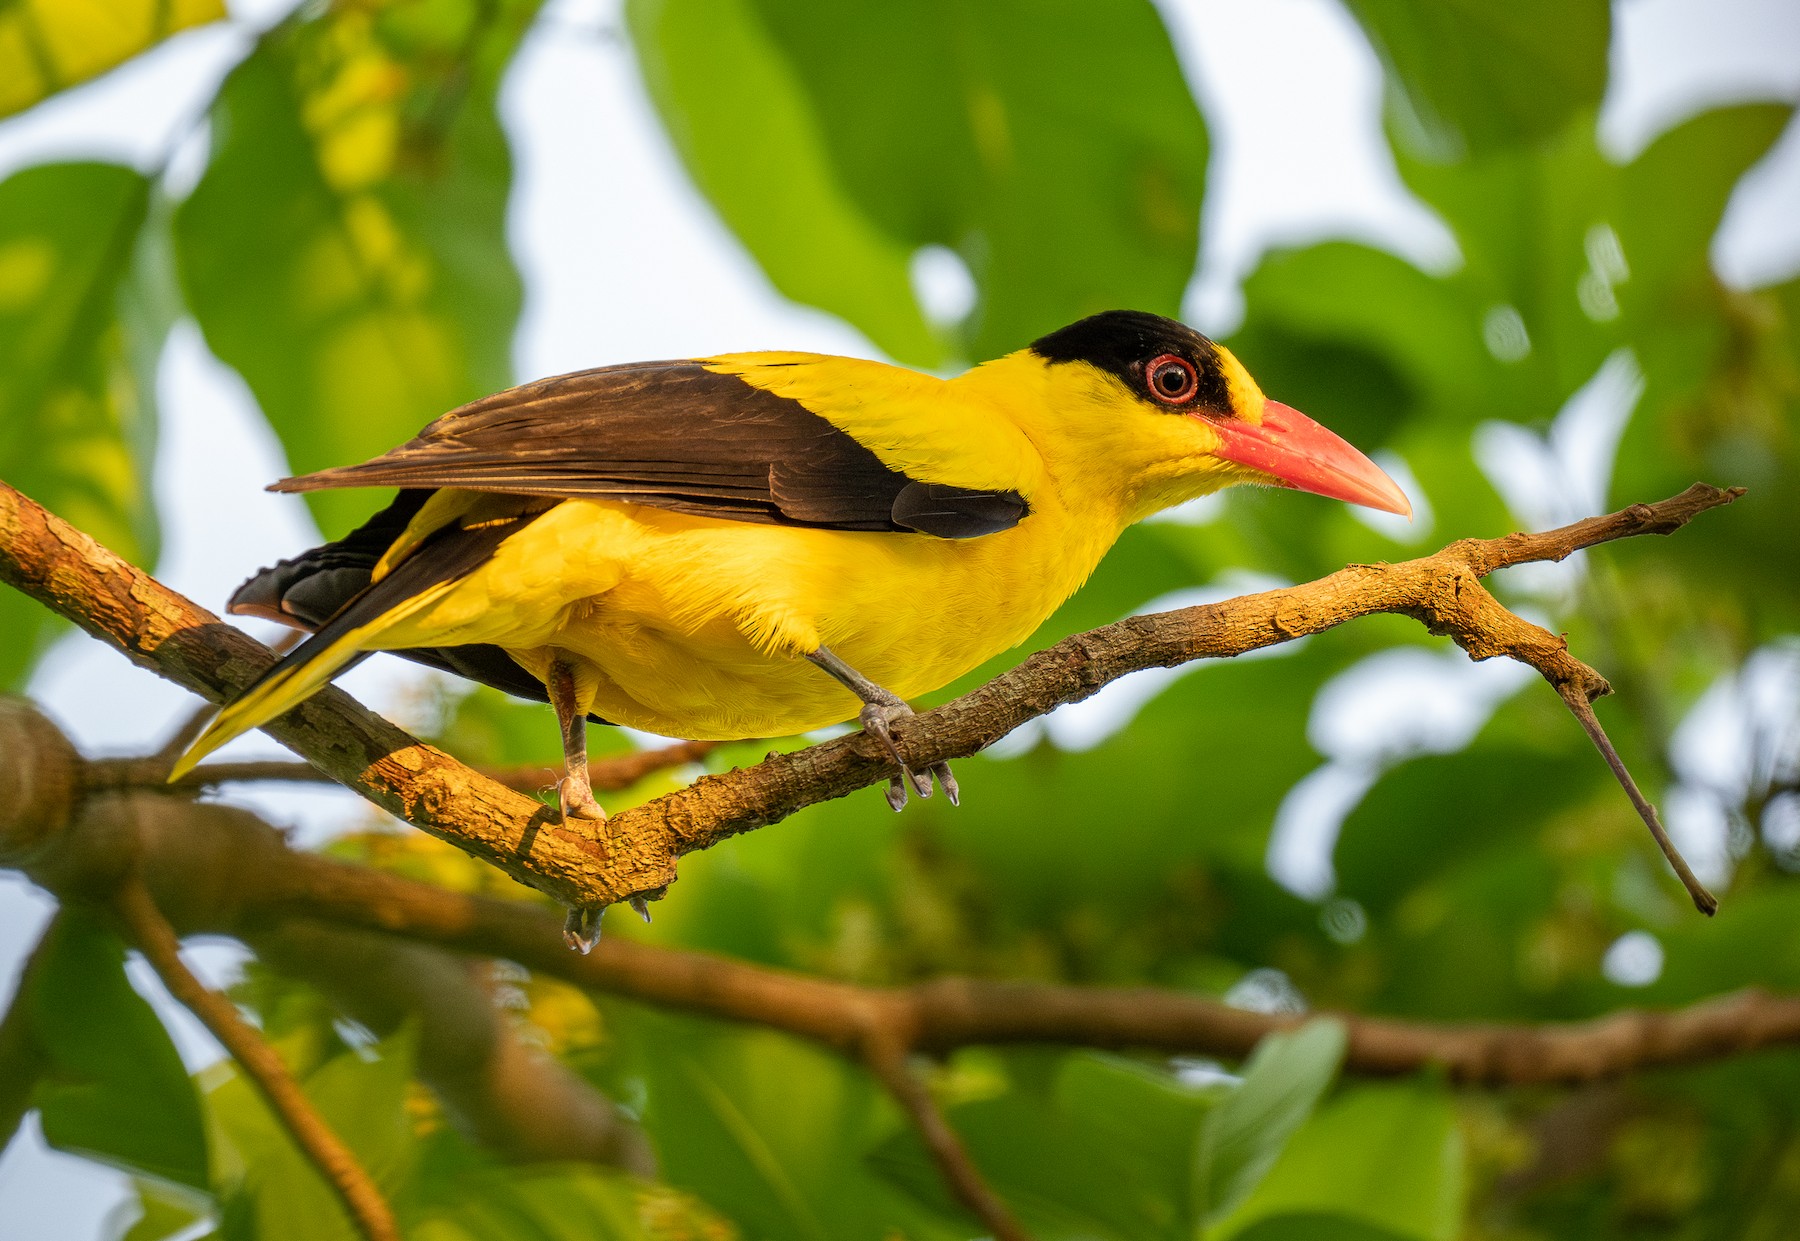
1297, 452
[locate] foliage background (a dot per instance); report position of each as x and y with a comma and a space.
1517, 290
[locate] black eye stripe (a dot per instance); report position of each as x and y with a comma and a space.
1129, 344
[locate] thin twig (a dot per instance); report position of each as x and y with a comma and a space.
887, 1060
1583, 710
156, 939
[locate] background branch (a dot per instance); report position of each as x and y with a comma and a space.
220, 869
161, 630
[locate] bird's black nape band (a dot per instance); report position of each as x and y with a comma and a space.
1120, 342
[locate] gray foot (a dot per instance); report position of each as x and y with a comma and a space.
875, 718
581, 929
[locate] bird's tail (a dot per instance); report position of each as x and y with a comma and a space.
354, 632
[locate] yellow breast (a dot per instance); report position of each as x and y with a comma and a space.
696, 627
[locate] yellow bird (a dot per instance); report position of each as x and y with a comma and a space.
753, 544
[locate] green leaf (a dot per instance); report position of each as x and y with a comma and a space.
753, 146
269, 1188
163, 1212
345, 251
50, 45
1242, 1137
767, 1130
1311, 1226
1470, 76
1107, 1151
1058, 151
542, 1202
1387, 1157
1435, 812
116, 1090
78, 343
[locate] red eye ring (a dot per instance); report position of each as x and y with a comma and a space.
1171, 379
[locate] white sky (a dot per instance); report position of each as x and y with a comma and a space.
622, 261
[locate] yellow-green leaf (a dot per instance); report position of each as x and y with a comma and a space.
50, 45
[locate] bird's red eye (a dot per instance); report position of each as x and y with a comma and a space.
1172, 379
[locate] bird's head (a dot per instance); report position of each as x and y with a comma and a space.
1159, 414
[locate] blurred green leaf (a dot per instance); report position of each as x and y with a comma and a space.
1106, 1151
80, 331
50, 45
542, 1202
163, 1212
768, 1130
1245, 1134
1387, 1157
1436, 811
345, 251
116, 1090
755, 149
1312, 1226
1058, 151
1465, 75
268, 1187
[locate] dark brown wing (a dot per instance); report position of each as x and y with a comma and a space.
674, 435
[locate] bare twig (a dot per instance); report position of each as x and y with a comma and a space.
1583, 710
155, 938
888, 1062
637, 854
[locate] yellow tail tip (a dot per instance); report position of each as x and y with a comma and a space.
217, 734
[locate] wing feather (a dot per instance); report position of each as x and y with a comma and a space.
672, 435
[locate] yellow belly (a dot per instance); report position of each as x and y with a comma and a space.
696, 627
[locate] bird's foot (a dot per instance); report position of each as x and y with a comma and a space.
876, 718
581, 929
577, 799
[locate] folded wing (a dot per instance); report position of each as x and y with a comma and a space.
678, 436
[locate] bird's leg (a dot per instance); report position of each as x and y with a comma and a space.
881, 708
574, 792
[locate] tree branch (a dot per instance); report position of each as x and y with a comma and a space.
608, 774
586, 865
155, 938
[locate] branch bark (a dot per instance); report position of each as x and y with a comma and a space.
590, 866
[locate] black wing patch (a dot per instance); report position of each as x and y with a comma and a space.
308, 591
674, 435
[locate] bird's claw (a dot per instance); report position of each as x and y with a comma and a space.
875, 719
581, 929
642, 906
577, 801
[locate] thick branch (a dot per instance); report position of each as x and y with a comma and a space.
636, 851
610, 773
155, 938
